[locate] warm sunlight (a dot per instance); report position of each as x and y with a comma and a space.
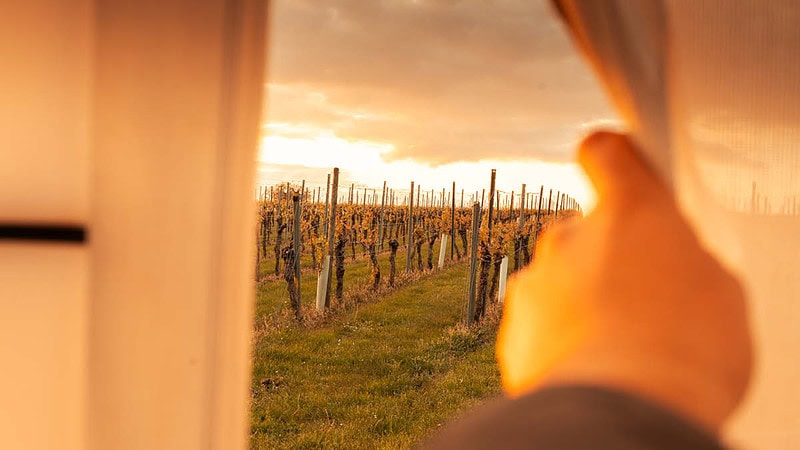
325, 150
285, 157
433, 101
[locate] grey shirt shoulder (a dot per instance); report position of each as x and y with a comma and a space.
574, 417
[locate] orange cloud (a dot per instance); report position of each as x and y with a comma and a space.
441, 81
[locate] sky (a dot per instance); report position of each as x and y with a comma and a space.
433, 91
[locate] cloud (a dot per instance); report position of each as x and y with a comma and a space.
439, 80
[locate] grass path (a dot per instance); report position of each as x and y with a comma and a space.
383, 376
272, 296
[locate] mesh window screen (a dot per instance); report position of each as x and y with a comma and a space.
722, 124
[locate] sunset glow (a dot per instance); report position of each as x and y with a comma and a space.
443, 92
362, 162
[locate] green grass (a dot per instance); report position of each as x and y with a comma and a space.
272, 297
383, 375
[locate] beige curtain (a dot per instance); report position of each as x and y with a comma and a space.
711, 91
138, 122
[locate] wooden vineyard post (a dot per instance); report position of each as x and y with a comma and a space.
331, 234
473, 261
519, 239
511, 207
453, 221
296, 239
538, 223
558, 197
380, 230
327, 199
497, 206
410, 227
541, 201
558, 202
462, 197
549, 202
491, 205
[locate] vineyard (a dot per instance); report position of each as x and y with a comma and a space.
299, 234
399, 289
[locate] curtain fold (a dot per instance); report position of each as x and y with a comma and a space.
178, 95
721, 123
137, 121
